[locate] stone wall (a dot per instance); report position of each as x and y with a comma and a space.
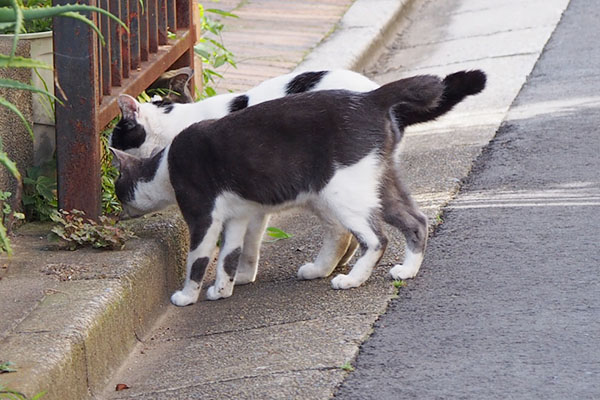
15, 137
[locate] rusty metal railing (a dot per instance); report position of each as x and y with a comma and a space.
91, 76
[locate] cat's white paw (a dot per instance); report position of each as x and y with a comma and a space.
402, 272
310, 271
344, 282
214, 294
182, 298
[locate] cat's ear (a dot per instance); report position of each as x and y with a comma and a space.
179, 83
121, 160
129, 106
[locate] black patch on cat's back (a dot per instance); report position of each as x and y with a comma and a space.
127, 134
304, 82
238, 103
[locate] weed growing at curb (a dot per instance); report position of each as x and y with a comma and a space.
347, 367
399, 283
79, 231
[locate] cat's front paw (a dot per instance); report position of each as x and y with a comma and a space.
401, 272
344, 282
215, 294
180, 298
310, 271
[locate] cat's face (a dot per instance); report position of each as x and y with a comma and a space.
142, 186
134, 133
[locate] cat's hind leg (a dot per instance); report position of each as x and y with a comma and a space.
229, 257
400, 211
248, 265
336, 241
353, 197
204, 233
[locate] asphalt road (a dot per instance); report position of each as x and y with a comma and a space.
507, 304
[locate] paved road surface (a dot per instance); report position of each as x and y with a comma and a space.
508, 302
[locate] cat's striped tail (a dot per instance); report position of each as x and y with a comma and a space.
424, 98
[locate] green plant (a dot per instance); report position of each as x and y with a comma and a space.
211, 49
10, 394
39, 198
110, 203
78, 231
14, 17
7, 213
399, 283
347, 367
7, 366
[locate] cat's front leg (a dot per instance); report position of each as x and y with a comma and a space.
248, 265
229, 257
198, 259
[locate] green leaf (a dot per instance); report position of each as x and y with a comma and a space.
210, 92
220, 12
18, 25
399, 283
202, 51
21, 62
12, 84
220, 60
277, 233
5, 247
7, 367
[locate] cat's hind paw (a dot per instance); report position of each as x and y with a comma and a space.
401, 272
344, 282
310, 271
215, 294
180, 298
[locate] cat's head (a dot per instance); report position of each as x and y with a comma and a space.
143, 184
173, 85
139, 132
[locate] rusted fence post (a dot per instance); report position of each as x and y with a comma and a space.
90, 80
77, 133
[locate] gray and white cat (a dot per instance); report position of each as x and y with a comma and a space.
328, 151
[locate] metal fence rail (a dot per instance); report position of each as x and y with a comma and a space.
90, 76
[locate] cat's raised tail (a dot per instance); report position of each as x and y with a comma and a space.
412, 94
417, 94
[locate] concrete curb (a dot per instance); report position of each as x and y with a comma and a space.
367, 25
82, 329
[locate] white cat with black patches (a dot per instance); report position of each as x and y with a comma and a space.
146, 127
328, 151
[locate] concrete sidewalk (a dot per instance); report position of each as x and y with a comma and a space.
279, 337
284, 338
69, 319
